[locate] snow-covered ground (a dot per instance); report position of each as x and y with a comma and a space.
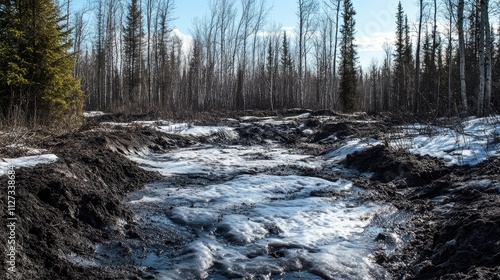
254, 224
264, 224
218, 160
90, 114
354, 145
469, 143
6, 163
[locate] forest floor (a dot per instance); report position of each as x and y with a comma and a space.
68, 205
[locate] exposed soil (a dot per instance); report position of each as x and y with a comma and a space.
67, 207
456, 221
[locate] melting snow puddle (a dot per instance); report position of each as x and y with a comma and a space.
253, 225
263, 225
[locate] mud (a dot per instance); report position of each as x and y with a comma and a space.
456, 221
67, 207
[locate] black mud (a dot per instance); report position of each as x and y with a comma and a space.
455, 225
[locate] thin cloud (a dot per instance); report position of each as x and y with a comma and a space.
374, 42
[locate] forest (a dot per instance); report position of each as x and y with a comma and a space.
125, 56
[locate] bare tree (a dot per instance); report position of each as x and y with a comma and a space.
307, 9
333, 14
481, 93
461, 43
417, 57
450, 14
488, 60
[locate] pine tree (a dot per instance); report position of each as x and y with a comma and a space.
36, 67
348, 58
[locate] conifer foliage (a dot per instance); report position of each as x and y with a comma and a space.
37, 85
348, 57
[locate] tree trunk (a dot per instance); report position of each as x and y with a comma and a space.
488, 45
417, 59
461, 43
480, 94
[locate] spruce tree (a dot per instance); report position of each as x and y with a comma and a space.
36, 76
132, 41
348, 59
287, 64
398, 82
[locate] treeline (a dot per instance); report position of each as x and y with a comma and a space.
128, 57
239, 60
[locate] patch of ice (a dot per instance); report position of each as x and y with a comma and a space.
27, 161
301, 116
338, 154
475, 140
258, 224
28, 150
145, 199
199, 131
207, 159
174, 128
479, 184
90, 114
80, 260
253, 118
308, 132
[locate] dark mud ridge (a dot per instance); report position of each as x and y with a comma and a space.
67, 207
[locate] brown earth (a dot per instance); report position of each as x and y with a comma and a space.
67, 207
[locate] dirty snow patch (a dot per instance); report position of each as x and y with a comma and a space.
356, 145
27, 161
90, 114
209, 159
255, 225
470, 143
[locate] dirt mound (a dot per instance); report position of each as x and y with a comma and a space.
67, 206
254, 133
348, 127
455, 220
463, 238
388, 165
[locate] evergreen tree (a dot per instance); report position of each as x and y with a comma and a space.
36, 74
403, 62
408, 67
399, 60
287, 65
132, 41
348, 59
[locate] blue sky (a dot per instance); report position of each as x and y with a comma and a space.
375, 20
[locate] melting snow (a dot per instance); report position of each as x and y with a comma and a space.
209, 159
469, 144
90, 114
28, 161
338, 154
199, 131
243, 225
258, 225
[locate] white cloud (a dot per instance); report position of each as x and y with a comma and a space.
187, 41
290, 31
374, 42
288, 28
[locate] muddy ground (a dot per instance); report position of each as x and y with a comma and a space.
67, 207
